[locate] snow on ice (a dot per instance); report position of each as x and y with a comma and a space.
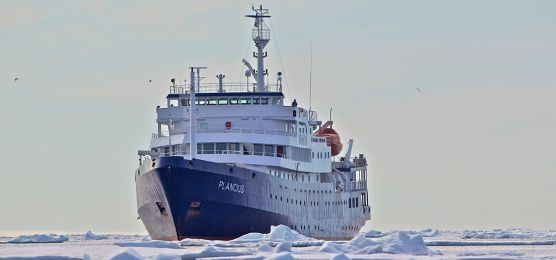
39, 238
512, 233
283, 243
393, 243
90, 236
278, 234
147, 242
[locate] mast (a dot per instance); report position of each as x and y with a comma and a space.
261, 36
192, 119
195, 81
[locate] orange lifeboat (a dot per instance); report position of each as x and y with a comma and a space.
333, 139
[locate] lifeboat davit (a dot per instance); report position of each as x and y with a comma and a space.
333, 140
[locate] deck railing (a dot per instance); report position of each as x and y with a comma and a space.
356, 185
226, 152
227, 131
226, 87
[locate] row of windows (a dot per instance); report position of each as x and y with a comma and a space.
291, 176
350, 228
233, 101
290, 152
246, 149
318, 140
321, 155
303, 130
308, 227
317, 227
305, 227
351, 203
313, 191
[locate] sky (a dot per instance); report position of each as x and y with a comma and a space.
474, 149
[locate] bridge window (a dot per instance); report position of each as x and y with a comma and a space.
234, 147
256, 101
221, 148
280, 151
244, 101
269, 150
264, 101
258, 149
234, 101
222, 102
208, 148
212, 102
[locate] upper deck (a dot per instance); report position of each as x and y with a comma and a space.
226, 89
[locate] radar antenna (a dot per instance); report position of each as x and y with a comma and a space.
261, 36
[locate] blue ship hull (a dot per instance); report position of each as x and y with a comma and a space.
200, 199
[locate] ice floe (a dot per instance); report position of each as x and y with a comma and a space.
211, 251
147, 242
392, 243
491, 253
491, 243
39, 238
511, 233
90, 236
284, 247
429, 232
127, 254
278, 234
282, 256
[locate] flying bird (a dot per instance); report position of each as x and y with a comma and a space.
419, 89
150, 81
16, 79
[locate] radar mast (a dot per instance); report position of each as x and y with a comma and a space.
261, 36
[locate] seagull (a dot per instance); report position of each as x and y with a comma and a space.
150, 81
419, 89
16, 79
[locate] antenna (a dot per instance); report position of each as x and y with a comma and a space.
199, 78
330, 115
311, 77
220, 77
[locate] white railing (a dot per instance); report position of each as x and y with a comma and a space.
356, 185
245, 131
226, 87
226, 131
226, 152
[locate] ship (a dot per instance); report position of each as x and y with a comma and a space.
234, 158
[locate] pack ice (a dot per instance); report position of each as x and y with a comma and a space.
39, 238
